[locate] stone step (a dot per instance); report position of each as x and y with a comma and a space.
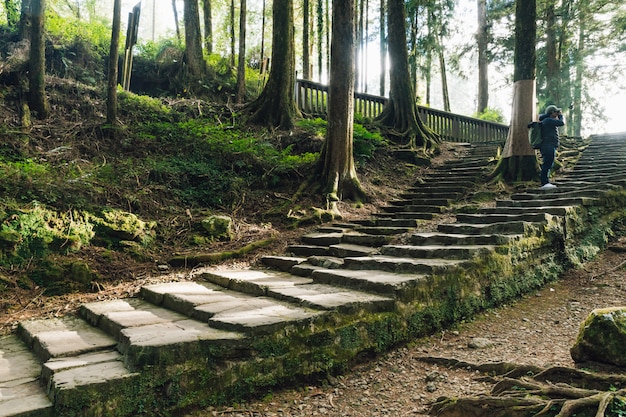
21, 393
436, 238
63, 337
436, 251
407, 215
488, 218
553, 201
307, 250
553, 210
383, 231
563, 192
326, 262
435, 187
365, 239
437, 195
403, 265
322, 239
413, 208
150, 334
103, 372
399, 286
389, 222
282, 263
303, 292
230, 314
513, 227
344, 250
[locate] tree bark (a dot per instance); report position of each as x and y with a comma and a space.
580, 69
482, 38
400, 112
113, 58
383, 49
444, 77
338, 173
552, 60
176, 23
37, 61
518, 162
275, 106
208, 26
320, 39
306, 51
231, 18
241, 63
193, 40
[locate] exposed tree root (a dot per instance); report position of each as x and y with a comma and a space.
215, 257
522, 391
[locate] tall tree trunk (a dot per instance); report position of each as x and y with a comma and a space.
383, 49
580, 68
482, 41
113, 58
327, 31
428, 72
193, 40
444, 77
553, 69
208, 26
275, 106
25, 17
413, 29
338, 173
400, 113
241, 62
358, 50
37, 61
231, 19
365, 48
518, 162
306, 52
320, 39
176, 23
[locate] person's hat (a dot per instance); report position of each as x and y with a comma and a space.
551, 109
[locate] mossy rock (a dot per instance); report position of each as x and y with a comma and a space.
122, 225
218, 227
602, 337
61, 277
9, 239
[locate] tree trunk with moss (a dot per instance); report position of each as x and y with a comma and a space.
400, 114
518, 162
241, 62
193, 40
276, 107
208, 26
113, 57
337, 171
37, 61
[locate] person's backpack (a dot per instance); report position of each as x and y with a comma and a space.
534, 135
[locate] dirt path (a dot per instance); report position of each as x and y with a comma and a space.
536, 330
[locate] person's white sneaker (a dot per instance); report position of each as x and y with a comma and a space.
547, 186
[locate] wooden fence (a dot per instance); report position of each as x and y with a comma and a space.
312, 98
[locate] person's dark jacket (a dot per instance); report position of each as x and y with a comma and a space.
550, 129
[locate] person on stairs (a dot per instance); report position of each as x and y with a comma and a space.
550, 122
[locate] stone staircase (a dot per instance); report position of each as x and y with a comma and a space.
347, 290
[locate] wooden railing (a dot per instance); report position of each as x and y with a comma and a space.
312, 97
